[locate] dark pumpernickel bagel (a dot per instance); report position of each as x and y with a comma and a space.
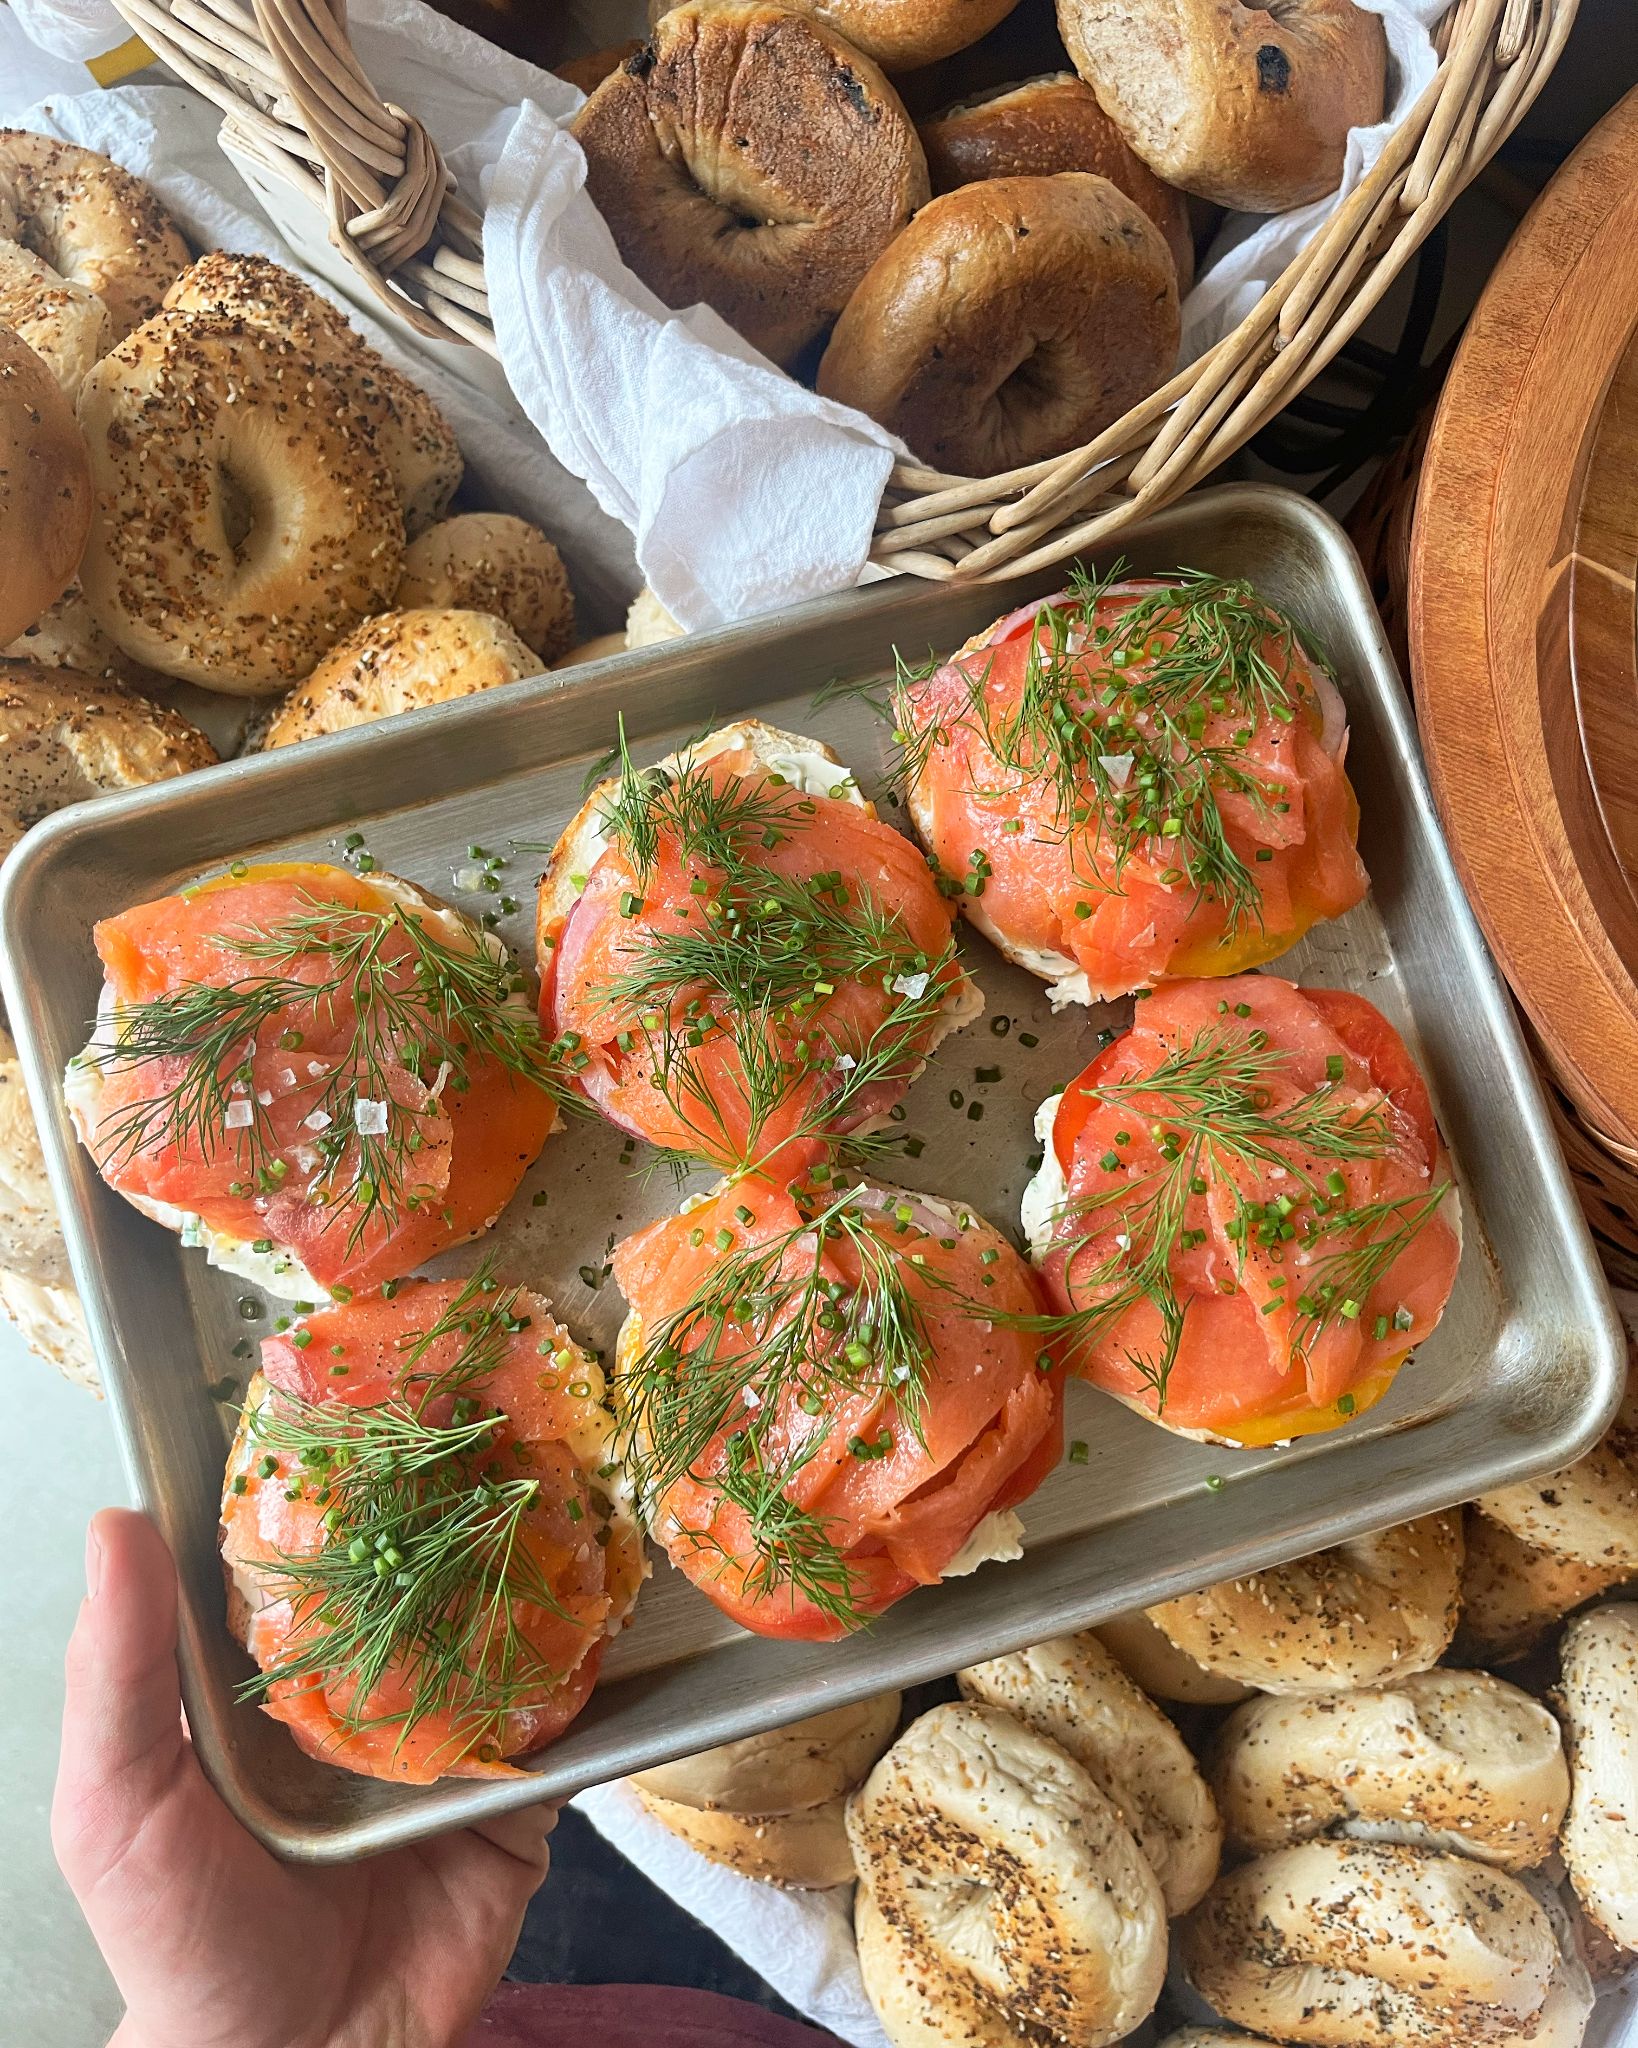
1247, 105
1040, 127
751, 158
1012, 320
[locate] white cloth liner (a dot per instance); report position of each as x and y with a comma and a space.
743, 490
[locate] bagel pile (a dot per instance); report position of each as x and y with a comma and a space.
1285, 1809
207, 479
1000, 281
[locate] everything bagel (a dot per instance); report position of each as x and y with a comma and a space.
92, 222
749, 157
1368, 1610
244, 522
493, 562
1011, 320
411, 436
1249, 106
1589, 1510
65, 324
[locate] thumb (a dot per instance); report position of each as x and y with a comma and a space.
122, 1741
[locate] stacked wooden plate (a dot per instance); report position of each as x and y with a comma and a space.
1523, 642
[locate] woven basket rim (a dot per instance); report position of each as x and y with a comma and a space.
298, 102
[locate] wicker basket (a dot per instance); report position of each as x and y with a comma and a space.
297, 102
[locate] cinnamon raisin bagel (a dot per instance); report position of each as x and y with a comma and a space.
93, 223
900, 35
1248, 105
1043, 126
45, 488
411, 435
749, 157
244, 520
1013, 319
493, 562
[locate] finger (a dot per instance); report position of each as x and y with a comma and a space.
122, 1729
524, 1834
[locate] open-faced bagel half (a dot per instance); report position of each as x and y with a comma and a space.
65, 736
1598, 1700
1040, 127
1012, 320
1247, 106
1355, 1945
805, 1763
1361, 1613
749, 157
1001, 1898
1073, 1691
397, 662
1587, 1511
1158, 1667
1444, 1759
1513, 1593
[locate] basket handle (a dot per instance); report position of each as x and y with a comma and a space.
297, 100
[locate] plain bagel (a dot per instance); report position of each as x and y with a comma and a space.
1598, 1698
65, 324
493, 562
1041, 127
1367, 1611
1001, 1898
1249, 106
1444, 1759
244, 519
899, 35
1074, 1692
749, 157
410, 434
45, 488
1012, 320
93, 223
65, 736
805, 1849
1587, 1511
806, 1763
399, 661
1355, 1945
1158, 1667
1513, 1593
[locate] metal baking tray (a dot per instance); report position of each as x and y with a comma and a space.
1521, 1375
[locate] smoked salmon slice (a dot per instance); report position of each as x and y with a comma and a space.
1246, 1217
325, 1077
1139, 779
825, 1391
426, 1540
740, 958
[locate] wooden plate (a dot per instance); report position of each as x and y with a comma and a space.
1522, 625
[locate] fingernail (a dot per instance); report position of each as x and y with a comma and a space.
93, 1561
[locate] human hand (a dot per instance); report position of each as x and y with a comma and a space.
213, 1942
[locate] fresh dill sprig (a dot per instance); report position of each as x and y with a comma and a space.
1209, 1107
721, 1388
423, 1566
414, 1002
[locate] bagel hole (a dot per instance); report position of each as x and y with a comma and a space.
238, 501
